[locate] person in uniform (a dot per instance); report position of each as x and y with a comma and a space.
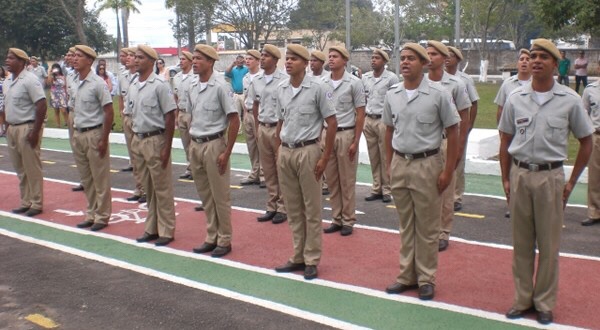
262, 93
438, 53
377, 83
152, 107
534, 130
317, 62
591, 103
416, 112
452, 61
38, 70
93, 120
125, 80
303, 103
213, 130
523, 77
71, 82
25, 109
124, 74
349, 101
181, 82
254, 69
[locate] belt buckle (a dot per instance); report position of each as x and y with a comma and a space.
292, 145
533, 167
408, 156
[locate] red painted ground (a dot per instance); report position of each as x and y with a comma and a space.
468, 275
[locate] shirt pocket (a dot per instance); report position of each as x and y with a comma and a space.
345, 102
557, 130
211, 109
523, 128
306, 114
22, 99
425, 123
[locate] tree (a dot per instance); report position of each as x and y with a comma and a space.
583, 15
194, 19
124, 6
127, 7
75, 14
252, 19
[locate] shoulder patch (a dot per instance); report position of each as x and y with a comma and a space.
329, 95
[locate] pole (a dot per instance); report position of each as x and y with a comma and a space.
348, 45
396, 55
457, 25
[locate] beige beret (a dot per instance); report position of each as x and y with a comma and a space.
272, 50
86, 50
124, 50
187, 54
148, 51
254, 53
131, 50
299, 50
382, 53
546, 45
19, 53
319, 55
524, 51
72, 50
456, 52
421, 52
341, 50
439, 46
207, 50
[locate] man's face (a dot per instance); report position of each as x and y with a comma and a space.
563, 54
316, 65
436, 59
130, 60
267, 61
377, 62
451, 60
201, 63
294, 64
143, 63
523, 64
542, 64
239, 61
185, 63
411, 65
33, 62
251, 62
68, 58
81, 61
13, 63
122, 58
336, 60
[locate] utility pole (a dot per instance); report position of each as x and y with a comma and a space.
396, 54
457, 24
348, 45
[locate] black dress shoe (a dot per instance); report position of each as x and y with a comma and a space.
20, 210
162, 241
426, 292
220, 251
263, 185
507, 214
589, 222
199, 208
279, 218
545, 317
443, 245
268, 216
289, 267
186, 176
133, 198
332, 228
386, 198
310, 272
85, 224
33, 212
514, 313
346, 230
78, 188
127, 169
399, 288
146, 238
98, 226
142, 199
249, 182
373, 197
457, 206
206, 247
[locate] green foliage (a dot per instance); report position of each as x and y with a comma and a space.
195, 19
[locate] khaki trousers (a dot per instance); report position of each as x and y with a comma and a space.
158, 184
268, 150
95, 174
238, 104
374, 132
340, 174
594, 180
184, 120
447, 215
417, 200
128, 132
459, 188
536, 211
213, 188
28, 165
253, 149
302, 193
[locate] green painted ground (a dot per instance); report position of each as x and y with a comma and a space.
374, 312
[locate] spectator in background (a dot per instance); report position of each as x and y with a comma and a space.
161, 69
581, 64
2, 125
113, 88
101, 71
564, 65
38, 70
58, 93
236, 72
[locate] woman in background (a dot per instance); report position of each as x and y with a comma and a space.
58, 93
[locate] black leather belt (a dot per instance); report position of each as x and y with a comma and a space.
240, 93
149, 134
85, 129
417, 155
538, 167
339, 129
23, 123
597, 132
267, 124
373, 116
203, 139
299, 144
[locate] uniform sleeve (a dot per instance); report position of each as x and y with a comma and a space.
501, 96
462, 97
165, 97
104, 96
448, 111
358, 93
393, 80
226, 98
250, 96
35, 91
325, 99
579, 121
507, 119
387, 110
586, 100
473, 95
278, 103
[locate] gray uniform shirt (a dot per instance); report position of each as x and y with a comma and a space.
40, 73
149, 102
247, 81
266, 94
20, 96
71, 81
303, 114
210, 106
125, 80
457, 89
509, 85
376, 88
347, 96
541, 131
89, 98
591, 103
468, 81
181, 83
419, 122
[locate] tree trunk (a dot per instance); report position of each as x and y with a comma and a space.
208, 29
77, 19
125, 25
191, 32
118, 32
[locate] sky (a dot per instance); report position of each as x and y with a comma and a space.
149, 26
